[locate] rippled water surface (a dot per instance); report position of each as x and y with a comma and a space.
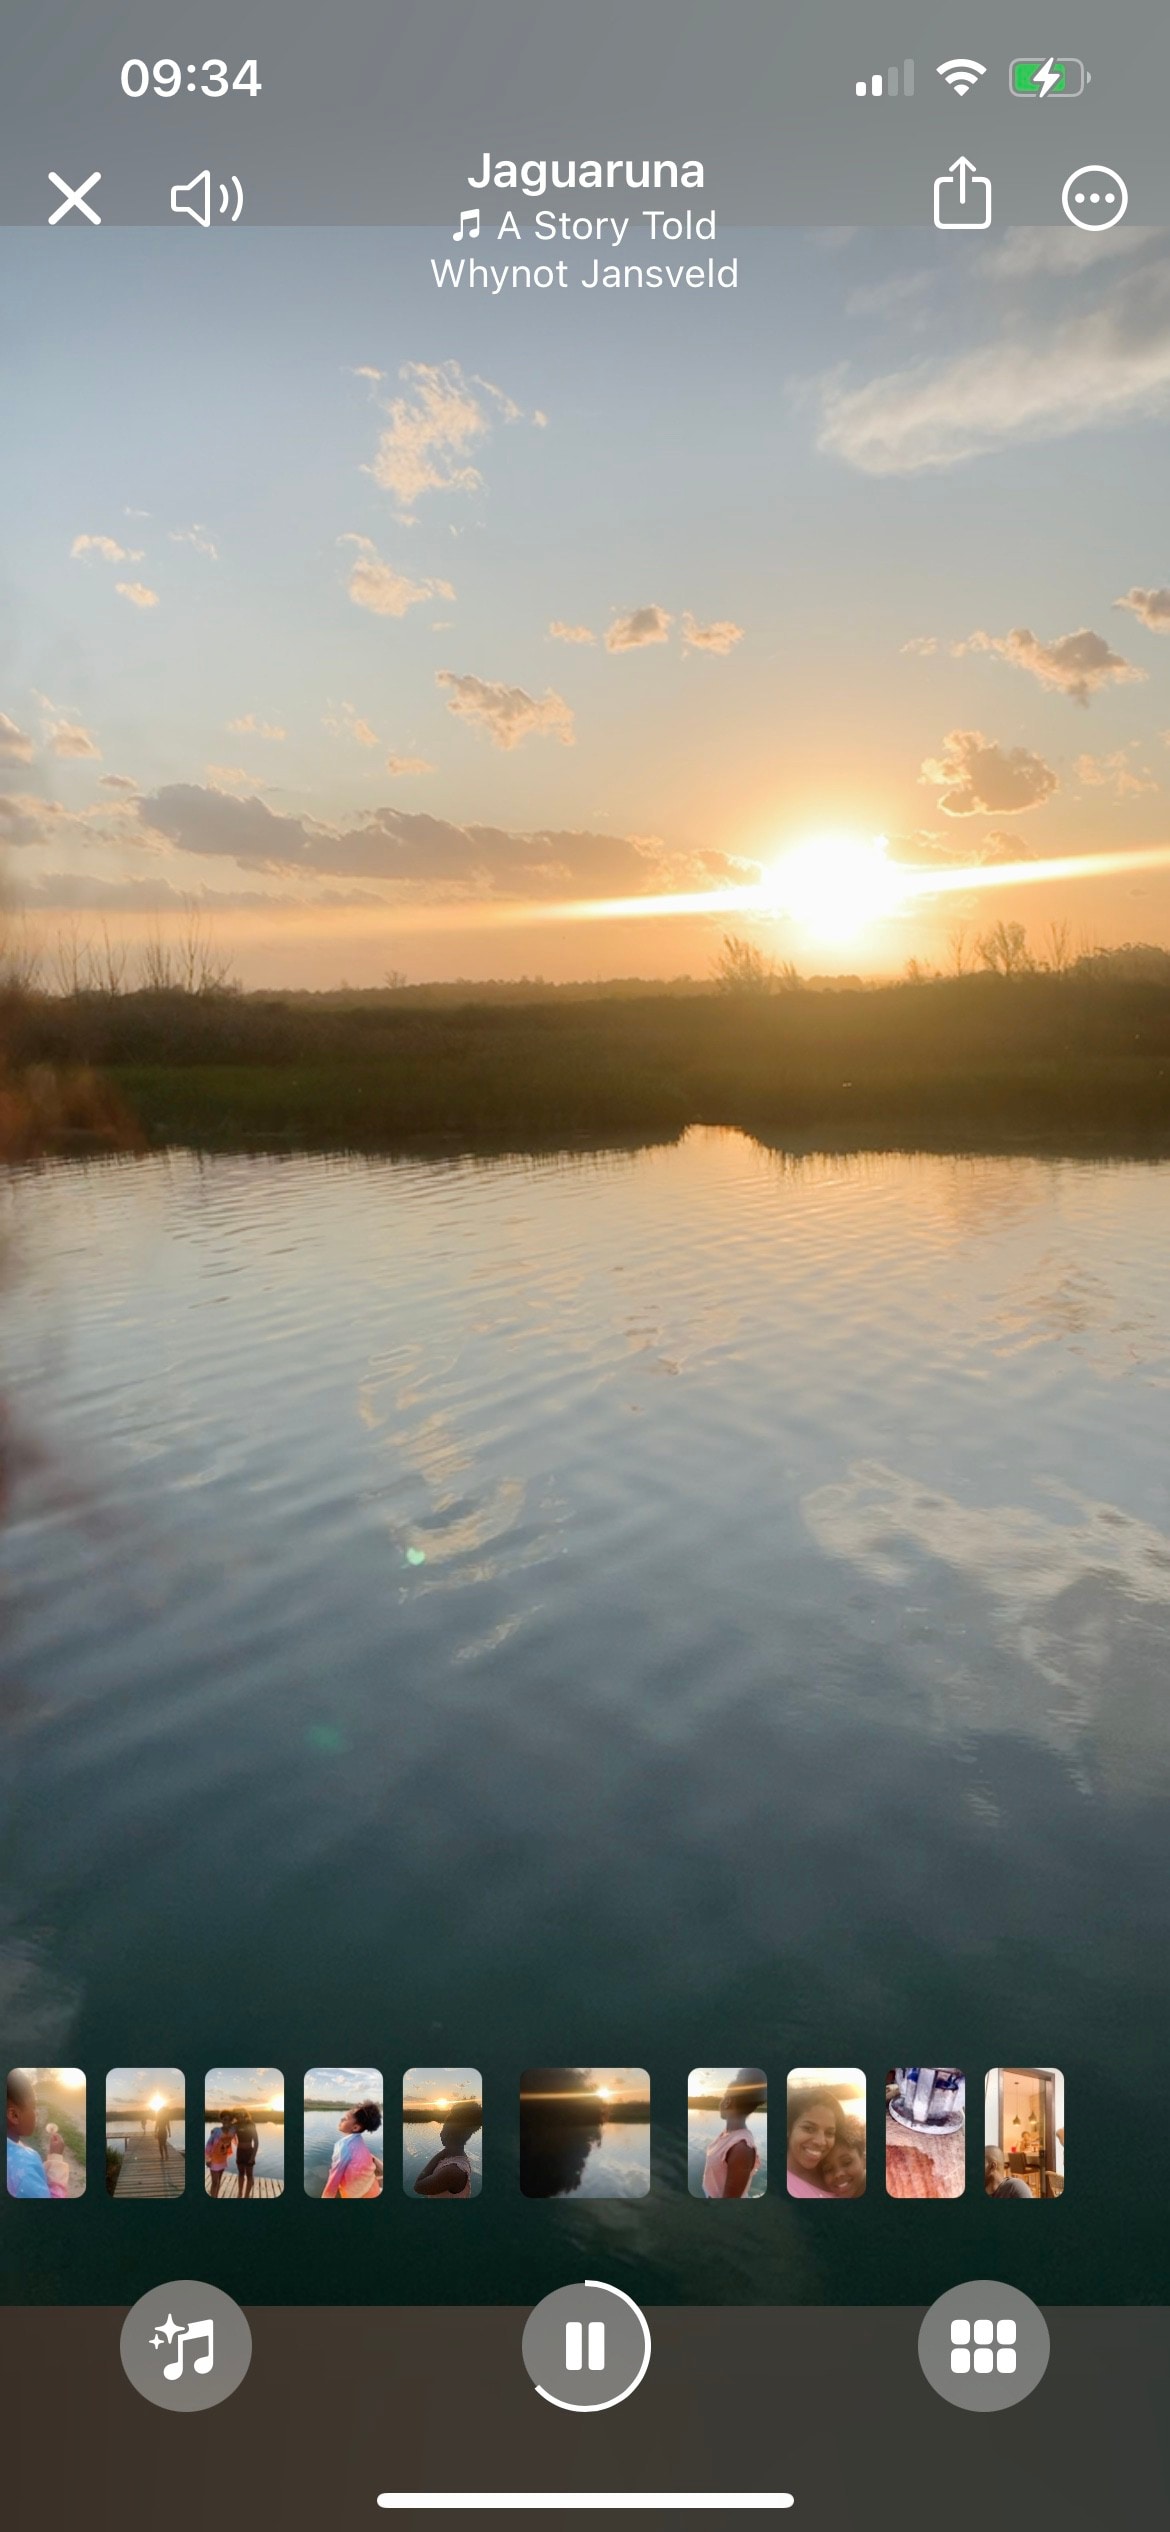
688, 1605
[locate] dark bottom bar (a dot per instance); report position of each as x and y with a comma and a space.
342, 2405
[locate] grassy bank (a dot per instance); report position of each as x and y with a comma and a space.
972, 1062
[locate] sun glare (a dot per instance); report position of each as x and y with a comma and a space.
157, 2102
276, 2103
834, 886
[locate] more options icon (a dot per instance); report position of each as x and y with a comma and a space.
1095, 198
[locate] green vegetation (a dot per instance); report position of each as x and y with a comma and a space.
1075, 1059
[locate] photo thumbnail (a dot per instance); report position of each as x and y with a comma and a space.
926, 2131
146, 2135
1023, 2132
243, 2144
46, 2132
343, 2132
826, 2132
442, 2132
585, 2132
727, 2132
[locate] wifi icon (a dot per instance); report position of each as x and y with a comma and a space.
961, 76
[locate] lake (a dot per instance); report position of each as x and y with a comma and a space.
691, 1604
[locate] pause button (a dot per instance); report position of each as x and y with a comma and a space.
586, 2347
593, 2333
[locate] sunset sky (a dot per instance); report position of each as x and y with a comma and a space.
243, 2088
435, 2085
343, 2085
609, 2083
137, 2087
379, 616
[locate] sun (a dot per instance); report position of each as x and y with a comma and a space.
157, 2102
276, 2103
834, 886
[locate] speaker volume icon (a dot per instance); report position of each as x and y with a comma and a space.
194, 201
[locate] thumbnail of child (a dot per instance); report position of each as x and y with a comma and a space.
46, 2132
343, 2128
727, 2132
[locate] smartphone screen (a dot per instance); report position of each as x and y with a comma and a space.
585, 1116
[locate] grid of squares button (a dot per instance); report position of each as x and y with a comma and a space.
983, 2347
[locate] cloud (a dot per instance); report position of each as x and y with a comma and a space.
16, 746
931, 849
377, 585
137, 593
116, 782
375, 375
231, 778
973, 775
920, 646
408, 765
570, 632
431, 430
719, 638
197, 537
107, 547
345, 722
247, 726
1038, 380
68, 738
392, 846
1001, 846
900, 295
23, 819
1152, 606
633, 632
1116, 774
507, 713
1076, 664
1050, 254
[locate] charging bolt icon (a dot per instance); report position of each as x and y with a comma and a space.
1054, 77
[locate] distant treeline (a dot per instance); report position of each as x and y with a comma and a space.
1075, 1060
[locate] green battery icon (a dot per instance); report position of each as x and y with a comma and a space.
1053, 77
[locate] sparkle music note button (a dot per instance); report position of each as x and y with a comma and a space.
186, 2345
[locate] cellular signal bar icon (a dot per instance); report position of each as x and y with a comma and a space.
889, 83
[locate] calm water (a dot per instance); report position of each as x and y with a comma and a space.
130, 2127
663, 1608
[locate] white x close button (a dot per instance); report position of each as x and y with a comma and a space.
75, 198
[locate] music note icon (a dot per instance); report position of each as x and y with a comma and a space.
200, 2364
469, 222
